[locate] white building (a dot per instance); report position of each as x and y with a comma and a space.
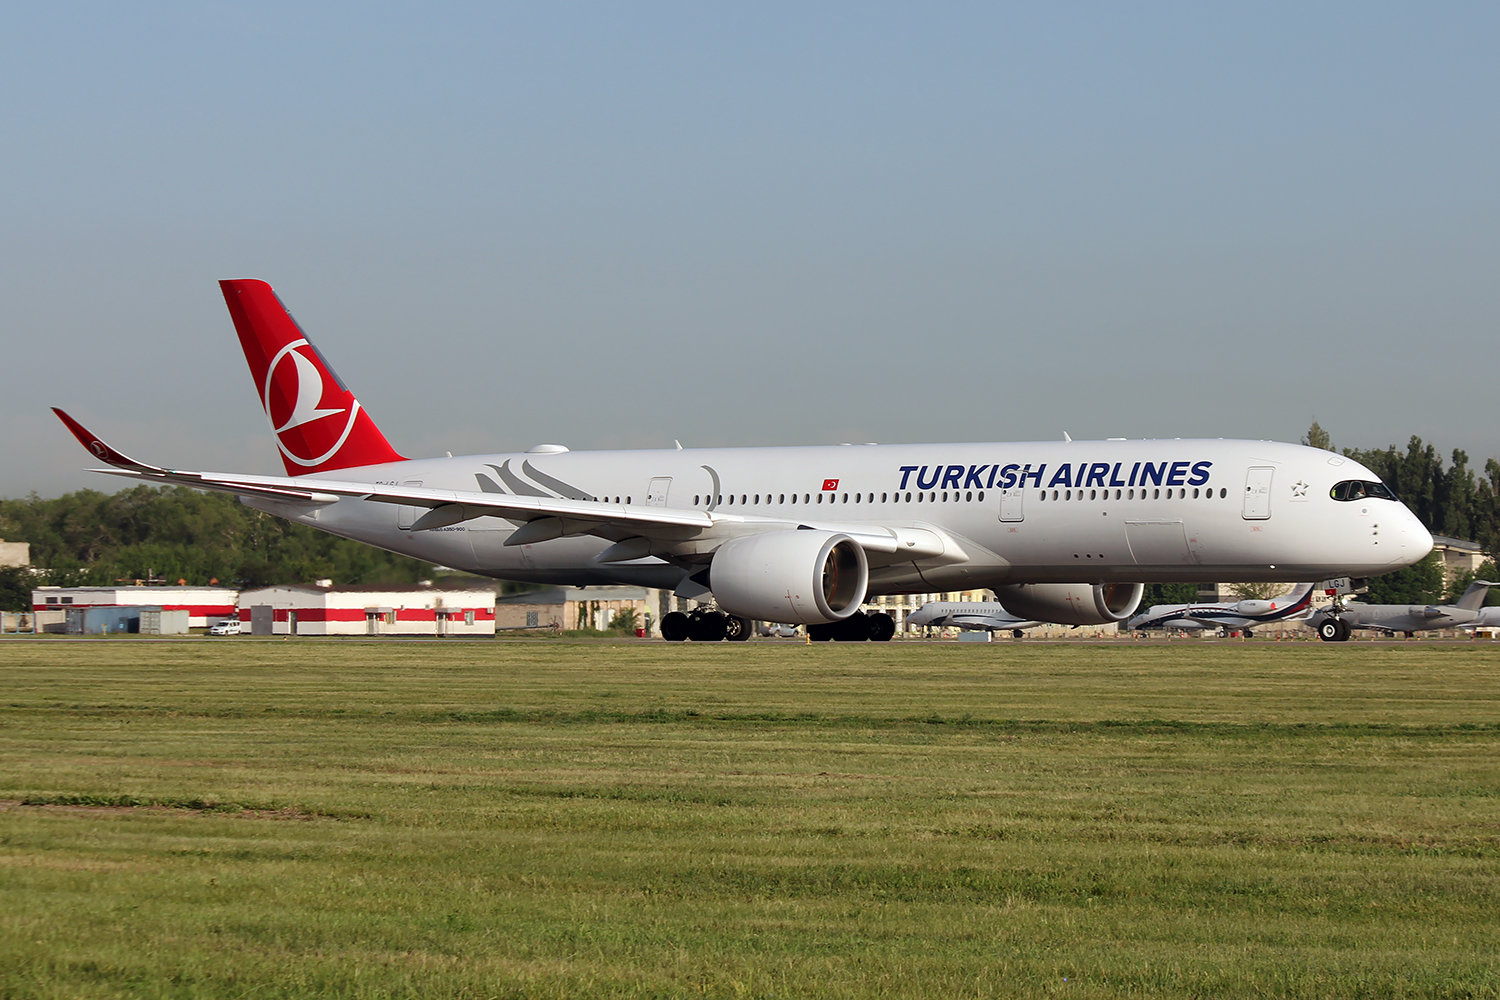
204, 605
319, 610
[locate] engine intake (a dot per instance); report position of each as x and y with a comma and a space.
801, 577
1072, 603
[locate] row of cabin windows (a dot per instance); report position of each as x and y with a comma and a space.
751, 499
1153, 494
966, 496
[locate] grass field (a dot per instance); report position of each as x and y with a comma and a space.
262, 819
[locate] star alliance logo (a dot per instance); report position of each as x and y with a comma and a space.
1299, 490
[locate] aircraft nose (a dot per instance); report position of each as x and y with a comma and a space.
1415, 540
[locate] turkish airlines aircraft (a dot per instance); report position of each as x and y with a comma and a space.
1061, 531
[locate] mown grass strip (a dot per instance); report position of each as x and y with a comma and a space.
615, 820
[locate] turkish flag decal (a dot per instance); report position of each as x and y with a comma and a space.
830, 484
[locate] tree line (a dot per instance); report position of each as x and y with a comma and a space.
172, 534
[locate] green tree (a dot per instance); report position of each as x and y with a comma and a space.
1486, 571
1418, 584
16, 583
183, 534
1317, 437
1258, 591
1168, 593
624, 620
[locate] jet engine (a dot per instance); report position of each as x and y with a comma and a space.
1071, 603
806, 577
1255, 607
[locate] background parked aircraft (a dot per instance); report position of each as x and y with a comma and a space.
988, 616
1245, 615
1335, 621
1488, 618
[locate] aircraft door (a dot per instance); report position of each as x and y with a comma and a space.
1011, 504
656, 493
1258, 494
406, 515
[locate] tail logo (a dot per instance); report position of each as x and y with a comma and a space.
297, 395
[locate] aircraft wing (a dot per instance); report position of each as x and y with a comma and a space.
541, 518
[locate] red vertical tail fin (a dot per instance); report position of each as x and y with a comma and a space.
319, 425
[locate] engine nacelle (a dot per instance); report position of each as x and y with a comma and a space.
1255, 607
802, 577
1072, 603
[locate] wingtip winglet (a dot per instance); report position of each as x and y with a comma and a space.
99, 448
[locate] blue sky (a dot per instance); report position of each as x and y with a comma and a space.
614, 225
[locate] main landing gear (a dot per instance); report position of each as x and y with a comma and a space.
876, 626
702, 625
1334, 630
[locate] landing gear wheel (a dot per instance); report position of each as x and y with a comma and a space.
1344, 629
736, 629
709, 627
1016, 633
882, 626
820, 633
1329, 630
674, 626
855, 628
1249, 634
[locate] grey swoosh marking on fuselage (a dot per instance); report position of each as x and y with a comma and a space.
486, 484
557, 485
517, 485
713, 498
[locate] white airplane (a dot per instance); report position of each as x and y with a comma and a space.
1336, 620
1487, 618
1061, 531
988, 616
1243, 615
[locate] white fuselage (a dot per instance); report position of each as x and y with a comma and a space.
1035, 512
989, 616
1399, 617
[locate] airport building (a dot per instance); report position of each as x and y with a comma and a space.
125, 619
15, 553
580, 608
1458, 556
327, 610
204, 605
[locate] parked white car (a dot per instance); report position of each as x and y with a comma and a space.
230, 627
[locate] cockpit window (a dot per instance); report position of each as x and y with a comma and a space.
1354, 489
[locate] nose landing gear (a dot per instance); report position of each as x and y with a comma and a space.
1334, 630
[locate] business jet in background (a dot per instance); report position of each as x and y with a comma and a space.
1061, 531
1335, 621
1245, 616
986, 616
1488, 617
